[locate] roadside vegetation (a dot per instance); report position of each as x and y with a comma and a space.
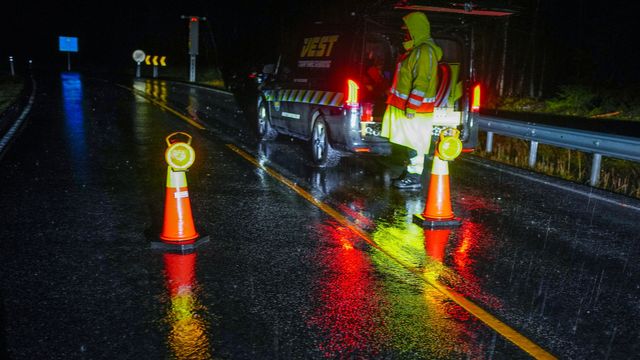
580, 100
618, 176
10, 88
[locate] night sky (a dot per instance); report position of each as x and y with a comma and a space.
597, 43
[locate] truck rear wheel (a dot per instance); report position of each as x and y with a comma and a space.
323, 155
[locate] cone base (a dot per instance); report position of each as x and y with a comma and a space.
179, 240
429, 223
180, 247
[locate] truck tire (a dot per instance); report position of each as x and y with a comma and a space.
322, 154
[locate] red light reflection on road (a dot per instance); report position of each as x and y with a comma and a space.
473, 240
435, 242
348, 311
354, 210
188, 335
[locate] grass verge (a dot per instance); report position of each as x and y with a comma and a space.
619, 176
10, 88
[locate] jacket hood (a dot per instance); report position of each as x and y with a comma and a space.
419, 29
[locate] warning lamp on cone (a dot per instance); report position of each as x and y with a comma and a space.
178, 229
437, 211
449, 144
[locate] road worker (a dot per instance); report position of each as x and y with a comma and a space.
408, 119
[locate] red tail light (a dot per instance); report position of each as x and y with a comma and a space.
352, 94
367, 112
475, 99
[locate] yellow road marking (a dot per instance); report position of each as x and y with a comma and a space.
165, 107
500, 327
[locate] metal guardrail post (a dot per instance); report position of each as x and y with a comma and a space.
605, 144
533, 154
489, 147
596, 165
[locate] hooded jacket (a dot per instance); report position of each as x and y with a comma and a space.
415, 80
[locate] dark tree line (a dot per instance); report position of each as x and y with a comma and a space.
547, 44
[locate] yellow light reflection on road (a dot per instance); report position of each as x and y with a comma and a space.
188, 337
428, 325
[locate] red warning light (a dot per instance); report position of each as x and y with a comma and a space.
194, 19
475, 99
352, 94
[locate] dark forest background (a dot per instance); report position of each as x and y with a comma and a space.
545, 45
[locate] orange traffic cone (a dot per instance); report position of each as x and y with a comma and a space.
178, 230
437, 211
178, 225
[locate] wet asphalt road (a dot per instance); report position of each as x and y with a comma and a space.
83, 192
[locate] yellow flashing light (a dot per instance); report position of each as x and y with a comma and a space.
179, 155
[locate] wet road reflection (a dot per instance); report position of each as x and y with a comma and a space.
194, 106
188, 337
519, 254
372, 306
292, 282
72, 101
349, 316
427, 324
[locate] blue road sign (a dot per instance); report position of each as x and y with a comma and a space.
68, 44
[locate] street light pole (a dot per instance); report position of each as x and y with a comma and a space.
194, 30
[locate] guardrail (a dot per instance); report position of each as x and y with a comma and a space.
598, 144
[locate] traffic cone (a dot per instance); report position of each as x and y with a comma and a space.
437, 211
178, 230
178, 227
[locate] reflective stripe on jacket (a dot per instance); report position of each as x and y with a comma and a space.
415, 81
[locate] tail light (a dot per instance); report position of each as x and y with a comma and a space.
352, 94
475, 98
367, 112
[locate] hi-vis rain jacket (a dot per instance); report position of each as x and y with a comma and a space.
414, 88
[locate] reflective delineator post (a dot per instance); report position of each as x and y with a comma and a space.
178, 229
438, 212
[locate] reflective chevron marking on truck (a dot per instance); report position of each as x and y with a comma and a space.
316, 97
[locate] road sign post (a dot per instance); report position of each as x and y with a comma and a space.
138, 57
194, 30
154, 60
192, 69
68, 44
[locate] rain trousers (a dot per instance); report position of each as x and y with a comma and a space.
413, 91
